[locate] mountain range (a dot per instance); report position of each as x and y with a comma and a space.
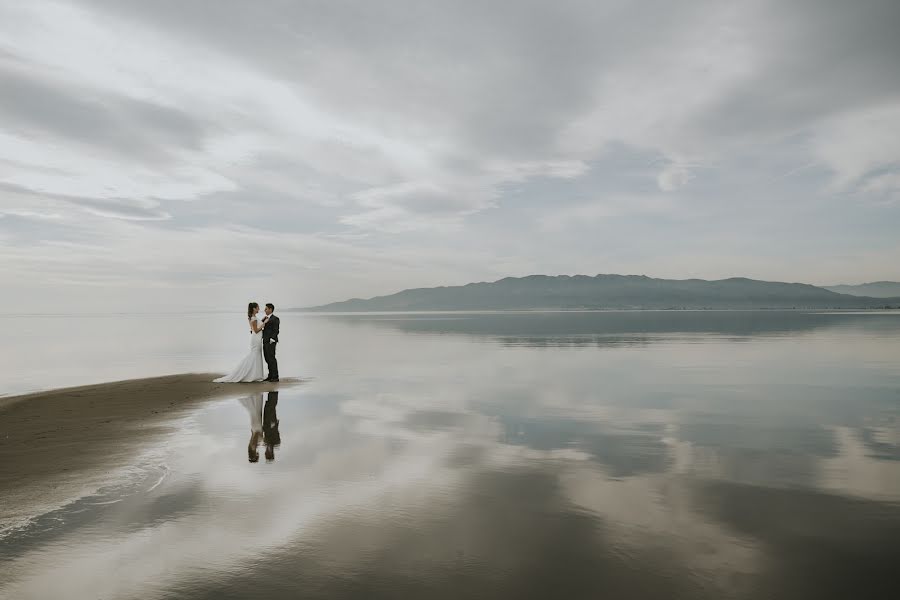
581, 292
876, 289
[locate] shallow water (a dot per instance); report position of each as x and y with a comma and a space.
557, 455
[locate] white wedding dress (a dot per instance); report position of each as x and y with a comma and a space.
254, 406
251, 368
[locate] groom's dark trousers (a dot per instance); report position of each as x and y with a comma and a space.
270, 332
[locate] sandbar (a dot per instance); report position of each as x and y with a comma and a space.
59, 443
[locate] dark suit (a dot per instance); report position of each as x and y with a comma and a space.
270, 332
270, 421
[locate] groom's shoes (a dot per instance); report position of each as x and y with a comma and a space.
272, 380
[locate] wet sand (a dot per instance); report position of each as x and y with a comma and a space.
59, 443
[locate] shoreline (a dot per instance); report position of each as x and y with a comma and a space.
56, 444
496, 311
193, 382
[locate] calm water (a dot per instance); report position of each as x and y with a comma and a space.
616, 455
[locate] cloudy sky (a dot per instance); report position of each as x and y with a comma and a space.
199, 154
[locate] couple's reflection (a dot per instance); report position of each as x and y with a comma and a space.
263, 425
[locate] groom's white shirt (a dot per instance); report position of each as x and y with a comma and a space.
271, 340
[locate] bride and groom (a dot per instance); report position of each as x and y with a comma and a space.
263, 341
263, 425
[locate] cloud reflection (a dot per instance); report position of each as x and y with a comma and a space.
445, 467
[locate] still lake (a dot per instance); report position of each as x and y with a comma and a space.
542, 455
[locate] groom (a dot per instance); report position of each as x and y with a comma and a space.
270, 340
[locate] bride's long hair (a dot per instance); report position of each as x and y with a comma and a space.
250, 308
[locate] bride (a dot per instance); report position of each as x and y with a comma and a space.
251, 368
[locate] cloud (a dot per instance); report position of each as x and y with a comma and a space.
862, 148
37, 106
412, 204
589, 214
674, 176
885, 184
404, 131
125, 209
67, 169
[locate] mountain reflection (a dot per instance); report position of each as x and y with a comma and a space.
621, 328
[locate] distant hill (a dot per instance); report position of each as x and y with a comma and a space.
565, 292
876, 289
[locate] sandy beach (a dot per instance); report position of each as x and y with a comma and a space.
59, 443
